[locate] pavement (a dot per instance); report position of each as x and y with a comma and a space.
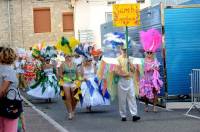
35, 122
106, 119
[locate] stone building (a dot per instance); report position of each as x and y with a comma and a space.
27, 22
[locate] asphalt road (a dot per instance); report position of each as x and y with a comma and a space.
106, 119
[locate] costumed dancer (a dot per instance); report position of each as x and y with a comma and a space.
30, 67
126, 91
34, 68
29, 71
97, 56
150, 83
68, 75
47, 85
90, 87
19, 67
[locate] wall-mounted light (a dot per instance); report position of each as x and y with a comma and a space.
140, 1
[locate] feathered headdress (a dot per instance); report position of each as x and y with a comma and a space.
37, 48
67, 45
48, 52
115, 39
150, 40
83, 49
97, 52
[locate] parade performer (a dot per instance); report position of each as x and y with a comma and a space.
19, 67
90, 87
32, 67
68, 75
29, 72
47, 85
126, 91
96, 61
96, 54
150, 83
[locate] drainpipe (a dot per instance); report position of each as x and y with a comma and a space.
9, 24
22, 28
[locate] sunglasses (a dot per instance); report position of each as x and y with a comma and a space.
88, 60
68, 56
149, 53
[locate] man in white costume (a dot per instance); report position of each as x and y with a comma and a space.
126, 91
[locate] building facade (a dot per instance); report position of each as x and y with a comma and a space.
24, 23
90, 14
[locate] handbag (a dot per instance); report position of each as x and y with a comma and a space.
11, 108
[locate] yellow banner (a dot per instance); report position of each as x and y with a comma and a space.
126, 15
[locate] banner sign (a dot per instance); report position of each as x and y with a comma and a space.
126, 15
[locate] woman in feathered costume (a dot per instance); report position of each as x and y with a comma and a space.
47, 85
90, 86
33, 63
150, 83
68, 75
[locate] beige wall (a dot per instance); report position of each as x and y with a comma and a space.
4, 34
22, 22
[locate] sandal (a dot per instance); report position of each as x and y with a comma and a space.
89, 109
146, 109
70, 117
155, 110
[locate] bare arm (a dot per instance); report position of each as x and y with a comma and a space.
43, 67
132, 67
4, 87
77, 73
23, 122
95, 69
82, 73
61, 71
118, 70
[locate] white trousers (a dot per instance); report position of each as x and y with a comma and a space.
126, 92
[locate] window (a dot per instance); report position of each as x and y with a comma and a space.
108, 16
68, 22
42, 20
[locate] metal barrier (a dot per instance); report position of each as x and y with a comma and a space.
195, 92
